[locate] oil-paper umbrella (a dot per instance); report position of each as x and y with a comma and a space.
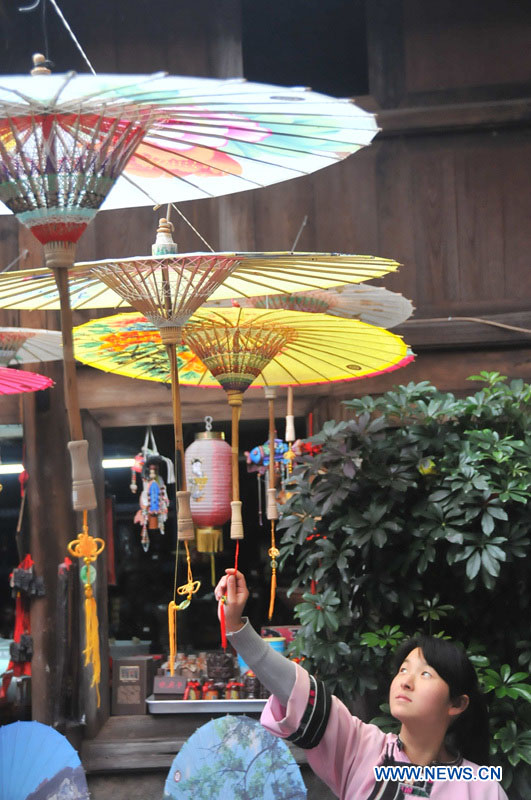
239, 347
372, 304
28, 345
234, 757
65, 141
18, 381
38, 763
168, 288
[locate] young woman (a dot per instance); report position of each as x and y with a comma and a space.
434, 694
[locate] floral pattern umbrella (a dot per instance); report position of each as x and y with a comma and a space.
65, 141
129, 344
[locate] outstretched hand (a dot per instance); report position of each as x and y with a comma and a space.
233, 587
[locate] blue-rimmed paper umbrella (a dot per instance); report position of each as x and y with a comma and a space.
38, 763
232, 758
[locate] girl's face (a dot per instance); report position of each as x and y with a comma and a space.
419, 694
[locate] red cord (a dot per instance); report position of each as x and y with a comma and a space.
222, 623
236, 556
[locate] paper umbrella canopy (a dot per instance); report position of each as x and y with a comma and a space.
28, 345
234, 757
18, 381
118, 141
189, 279
38, 763
302, 348
372, 304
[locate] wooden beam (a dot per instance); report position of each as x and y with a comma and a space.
115, 401
453, 117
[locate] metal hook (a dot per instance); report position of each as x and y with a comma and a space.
32, 7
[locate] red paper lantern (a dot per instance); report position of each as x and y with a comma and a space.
208, 473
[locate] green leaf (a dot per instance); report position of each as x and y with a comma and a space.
499, 513
472, 565
487, 523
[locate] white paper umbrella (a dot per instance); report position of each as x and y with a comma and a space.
28, 345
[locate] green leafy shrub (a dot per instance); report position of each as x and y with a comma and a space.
417, 510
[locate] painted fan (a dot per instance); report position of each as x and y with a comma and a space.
38, 763
234, 757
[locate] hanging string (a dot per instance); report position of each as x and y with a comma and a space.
178, 210
72, 35
21, 256
259, 484
298, 236
470, 319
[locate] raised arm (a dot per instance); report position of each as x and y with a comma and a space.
274, 671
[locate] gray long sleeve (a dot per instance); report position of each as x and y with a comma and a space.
271, 668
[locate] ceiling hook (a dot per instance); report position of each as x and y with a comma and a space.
31, 7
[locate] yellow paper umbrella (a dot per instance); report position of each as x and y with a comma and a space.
238, 347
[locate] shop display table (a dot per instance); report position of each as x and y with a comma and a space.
243, 706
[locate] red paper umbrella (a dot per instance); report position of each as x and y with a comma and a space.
17, 381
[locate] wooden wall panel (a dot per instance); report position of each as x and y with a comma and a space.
346, 219
463, 43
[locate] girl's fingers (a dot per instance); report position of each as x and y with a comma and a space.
231, 589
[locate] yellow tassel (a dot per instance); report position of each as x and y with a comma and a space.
273, 554
172, 628
92, 640
89, 548
212, 569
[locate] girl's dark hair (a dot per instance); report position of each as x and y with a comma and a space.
469, 733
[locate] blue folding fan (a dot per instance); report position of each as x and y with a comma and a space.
38, 763
232, 758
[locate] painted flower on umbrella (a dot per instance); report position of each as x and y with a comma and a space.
201, 139
138, 343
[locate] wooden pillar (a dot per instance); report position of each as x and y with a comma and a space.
52, 525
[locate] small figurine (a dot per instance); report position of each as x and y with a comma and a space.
154, 503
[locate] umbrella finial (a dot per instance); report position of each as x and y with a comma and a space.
39, 65
164, 244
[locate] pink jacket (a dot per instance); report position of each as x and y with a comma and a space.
350, 749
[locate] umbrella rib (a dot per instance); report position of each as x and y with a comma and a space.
169, 172
210, 131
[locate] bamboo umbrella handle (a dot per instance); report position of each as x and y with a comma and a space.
290, 418
185, 525
272, 510
83, 493
236, 523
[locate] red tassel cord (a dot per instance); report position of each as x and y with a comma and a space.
222, 623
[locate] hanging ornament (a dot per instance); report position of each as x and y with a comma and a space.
89, 548
208, 472
153, 500
136, 469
